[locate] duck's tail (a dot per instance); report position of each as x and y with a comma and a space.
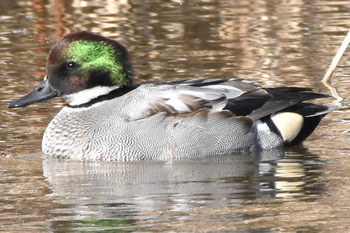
285, 119
297, 122
291, 126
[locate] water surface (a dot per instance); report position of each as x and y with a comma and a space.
273, 42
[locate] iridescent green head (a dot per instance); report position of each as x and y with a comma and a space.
84, 60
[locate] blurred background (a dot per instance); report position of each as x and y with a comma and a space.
273, 42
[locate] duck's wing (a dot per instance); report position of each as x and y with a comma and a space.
277, 99
189, 96
236, 97
280, 115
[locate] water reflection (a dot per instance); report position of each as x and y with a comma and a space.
121, 193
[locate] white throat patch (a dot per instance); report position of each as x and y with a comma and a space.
85, 96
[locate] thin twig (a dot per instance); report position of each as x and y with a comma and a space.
327, 77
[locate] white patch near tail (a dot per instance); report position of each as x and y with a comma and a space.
288, 123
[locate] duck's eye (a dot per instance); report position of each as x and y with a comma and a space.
71, 65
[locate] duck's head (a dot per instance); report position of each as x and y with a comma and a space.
82, 66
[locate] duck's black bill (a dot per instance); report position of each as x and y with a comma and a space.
42, 92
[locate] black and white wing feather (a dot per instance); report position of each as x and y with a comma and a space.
237, 96
188, 96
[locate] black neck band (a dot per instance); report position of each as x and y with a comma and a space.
111, 95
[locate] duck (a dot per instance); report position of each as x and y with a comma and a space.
109, 118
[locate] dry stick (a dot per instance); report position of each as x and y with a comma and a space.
327, 77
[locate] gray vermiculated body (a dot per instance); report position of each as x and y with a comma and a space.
112, 130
